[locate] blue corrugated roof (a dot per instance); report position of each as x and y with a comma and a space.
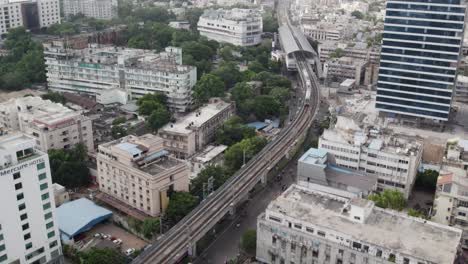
130, 148
156, 155
257, 125
81, 215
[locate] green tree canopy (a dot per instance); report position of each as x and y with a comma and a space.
180, 204
266, 106
233, 131
234, 156
102, 256
69, 167
427, 180
54, 97
219, 173
249, 242
229, 73
392, 199
357, 14
270, 23
149, 227
208, 86
158, 118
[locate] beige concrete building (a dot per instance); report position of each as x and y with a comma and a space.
194, 131
320, 226
345, 68
140, 173
60, 194
53, 125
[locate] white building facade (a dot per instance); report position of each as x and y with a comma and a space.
240, 27
28, 227
312, 226
31, 14
99, 9
135, 72
53, 125
394, 159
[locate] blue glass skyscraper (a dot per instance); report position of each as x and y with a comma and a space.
420, 53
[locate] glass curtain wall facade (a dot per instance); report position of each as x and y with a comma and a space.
420, 53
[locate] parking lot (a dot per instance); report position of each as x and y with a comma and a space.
128, 240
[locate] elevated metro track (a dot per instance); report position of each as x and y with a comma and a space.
181, 238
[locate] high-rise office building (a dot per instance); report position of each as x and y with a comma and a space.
420, 53
28, 228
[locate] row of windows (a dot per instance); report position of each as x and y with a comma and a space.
410, 111
413, 96
345, 150
398, 74
414, 82
423, 46
417, 68
422, 38
428, 31
411, 103
427, 7
424, 23
425, 61
410, 15
397, 87
391, 183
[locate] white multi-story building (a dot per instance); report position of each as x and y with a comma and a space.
53, 125
28, 227
133, 72
241, 27
192, 132
312, 226
461, 89
137, 171
31, 14
394, 158
99, 9
345, 68
451, 200
321, 31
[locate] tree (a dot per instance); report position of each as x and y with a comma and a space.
54, 97
243, 150
256, 66
118, 132
412, 212
158, 118
102, 256
219, 173
180, 204
229, 73
337, 53
280, 94
357, 14
233, 131
427, 180
208, 86
149, 227
249, 242
192, 15
266, 106
270, 23
119, 120
392, 199
69, 167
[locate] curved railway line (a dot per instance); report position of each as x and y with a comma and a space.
173, 245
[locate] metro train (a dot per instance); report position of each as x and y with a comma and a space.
308, 86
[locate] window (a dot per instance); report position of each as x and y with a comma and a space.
310, 230
53, 244
2, 247
21, 206
20, 196
321, 233
298, 226
25, 226
46, 206
42, 176
3, 258
47, 216
29, 245
27, 236
273, 240
379, 253
24, 217
41, 166
45, 196
49, 225
18, 186
44, 186
51, 234
274, 219
16, 176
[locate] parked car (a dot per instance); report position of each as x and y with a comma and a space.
117, 241
97, 235
129, 251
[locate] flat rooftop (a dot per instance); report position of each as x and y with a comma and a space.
197, 118
414, 236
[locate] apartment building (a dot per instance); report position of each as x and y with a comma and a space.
321, 31
53, 125
192, 132
240, 27
451, 200
394, 158
312, 226
326, 48
99, 9
420, 53
30, 14
345, 68
138, 172
461, 89
28, 225
103, 70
